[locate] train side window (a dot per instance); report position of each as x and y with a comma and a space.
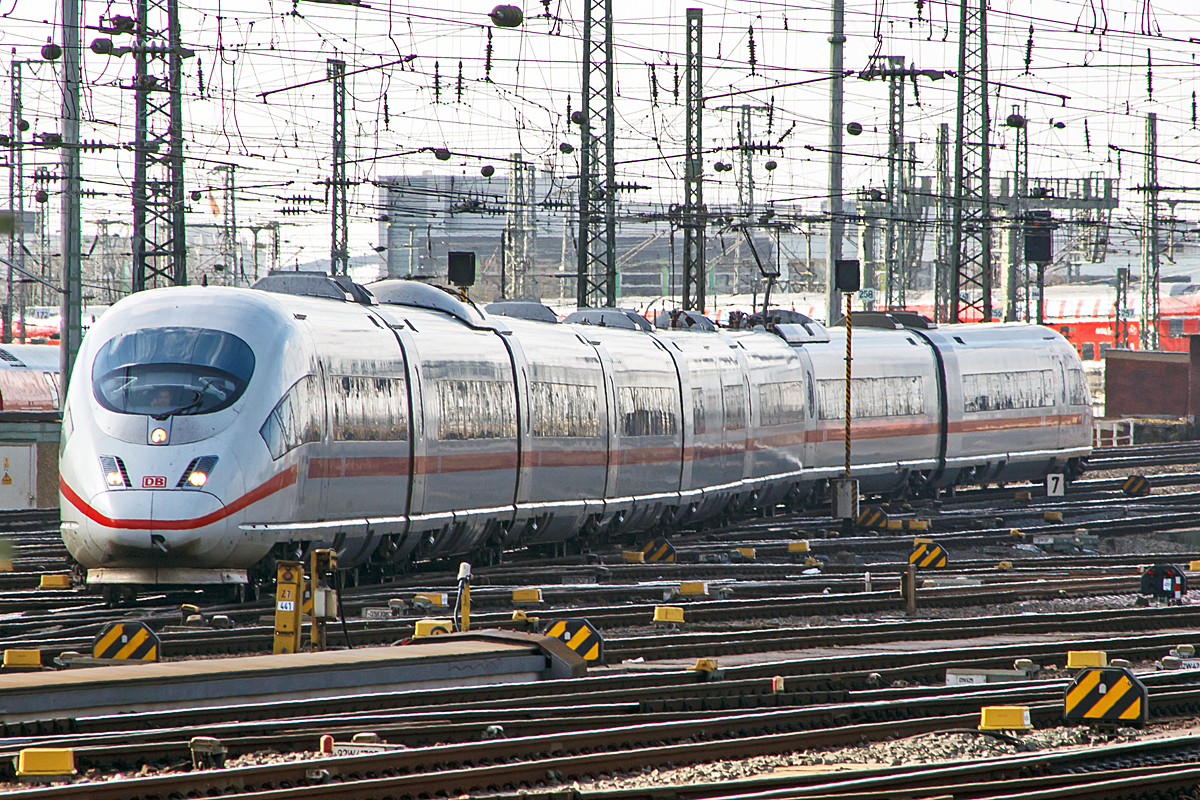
735, 407
296, 419
470, 409
1004, 391
562, 409
647, 411
1175, 328
1088, 351
781, 403
902, 396
373, 409
1078, 388
699, 424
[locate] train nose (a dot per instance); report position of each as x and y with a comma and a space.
161, 527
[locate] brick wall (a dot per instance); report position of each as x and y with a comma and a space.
1152, 383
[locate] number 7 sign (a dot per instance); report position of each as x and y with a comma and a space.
1056, 484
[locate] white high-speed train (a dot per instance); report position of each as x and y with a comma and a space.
208, 431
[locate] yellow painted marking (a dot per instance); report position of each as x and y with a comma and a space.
593, 654
557, 629
1082, 689
579, 638
152, 655
110, 637
1134, 711
1110, 698
132, 645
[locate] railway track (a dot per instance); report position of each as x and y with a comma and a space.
587, 745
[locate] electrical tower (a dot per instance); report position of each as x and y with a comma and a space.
520, 233
1016, 279
1148, 322
159, 241
971, 224
339, 252
16, 192
694, 273
597, 270
229, 242
892, 68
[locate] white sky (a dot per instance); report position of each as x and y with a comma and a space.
1095, 51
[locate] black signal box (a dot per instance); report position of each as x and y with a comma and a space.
462, 268
846, 275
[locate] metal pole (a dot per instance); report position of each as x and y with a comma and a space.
16, 189
971, 249
893, 293
849, 330
693, 180
159, 234
1016, 211
1150, 261
72, 299
339, 251
941, 291
833, 248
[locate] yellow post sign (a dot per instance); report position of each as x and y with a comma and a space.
289, 588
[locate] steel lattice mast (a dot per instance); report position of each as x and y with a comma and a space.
597, 269
1148, 324
694, 277
339, 250
159, 240
971, 225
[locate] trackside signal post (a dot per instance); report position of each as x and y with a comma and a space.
289, 589
845, 489
324, 596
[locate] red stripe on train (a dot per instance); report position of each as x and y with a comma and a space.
281, 481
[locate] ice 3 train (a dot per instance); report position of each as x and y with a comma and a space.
208, 431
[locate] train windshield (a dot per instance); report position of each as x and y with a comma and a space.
165, 372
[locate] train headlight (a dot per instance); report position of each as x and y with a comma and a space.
158, 436
197, 472
114, 471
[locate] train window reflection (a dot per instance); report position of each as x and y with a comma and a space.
169, 371
1078, 389
873, 397
698, 414
781, 403
647, 411
561, 409
296, 419
476, 410
1001, 391
368, 409
735, 407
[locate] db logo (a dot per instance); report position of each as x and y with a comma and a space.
154, 482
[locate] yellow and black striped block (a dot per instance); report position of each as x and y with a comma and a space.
580, 636
1106, 695
928, 555
127, 641
872, 517
659, 550
1136, 485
